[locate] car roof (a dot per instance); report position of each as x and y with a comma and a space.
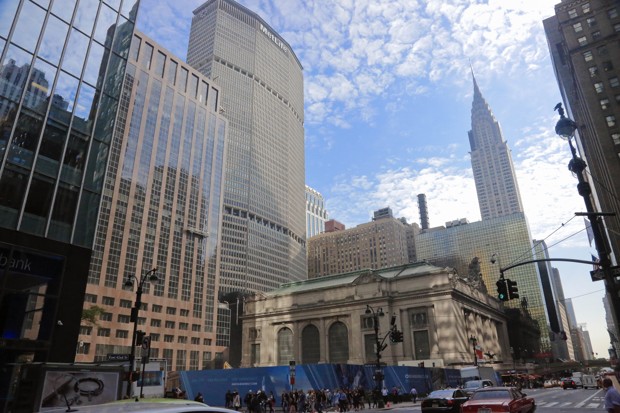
151, 406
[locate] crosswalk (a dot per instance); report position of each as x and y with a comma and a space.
591, 403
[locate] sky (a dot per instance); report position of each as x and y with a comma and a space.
388, 92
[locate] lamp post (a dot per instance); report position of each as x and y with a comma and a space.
566, 128
474, 342
150, 275
379, 346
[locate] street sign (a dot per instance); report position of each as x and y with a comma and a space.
599, 274
117, 357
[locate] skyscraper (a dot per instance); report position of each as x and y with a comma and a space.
384, 242
264, 222
494, 174
161, 209
584, 43
316, 214
60, 66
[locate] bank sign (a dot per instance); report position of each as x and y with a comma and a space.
274, 38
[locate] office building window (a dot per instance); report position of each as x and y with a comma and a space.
614, 82
572, 13
585, 7
596, 35
255, 354
593, 71
582, 41
587, 56
577, 27
617, 27
604, 104
615, 137
591, 21
611, 120
598, 86
608, 66
612, 13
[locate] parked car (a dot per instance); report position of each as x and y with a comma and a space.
550, 383
150, 406
471, 386
440, 401
499, 399
569, 383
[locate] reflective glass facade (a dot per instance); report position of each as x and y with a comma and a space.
316, 214
507, 237
263, 242
61, 63
161, 208
60, 66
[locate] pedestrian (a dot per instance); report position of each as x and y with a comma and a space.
236, 400
414, 394
612, 397
199, 398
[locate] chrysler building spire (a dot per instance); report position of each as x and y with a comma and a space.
494, 175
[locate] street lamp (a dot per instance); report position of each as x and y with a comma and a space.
379, 345
474, 343
150, 275
566, 128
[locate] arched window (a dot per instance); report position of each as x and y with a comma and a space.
285, 346
338, 343
310, 345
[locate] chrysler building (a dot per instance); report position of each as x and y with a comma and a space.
494, 174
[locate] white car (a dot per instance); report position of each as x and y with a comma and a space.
150, 406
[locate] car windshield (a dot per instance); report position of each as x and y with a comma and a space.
473, 384
441, 394
491, 394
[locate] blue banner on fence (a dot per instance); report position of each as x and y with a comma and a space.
214, 384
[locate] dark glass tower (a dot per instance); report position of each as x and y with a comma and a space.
60, 67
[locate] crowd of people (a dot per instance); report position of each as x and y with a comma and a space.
313, 401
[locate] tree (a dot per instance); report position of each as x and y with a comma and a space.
91, 315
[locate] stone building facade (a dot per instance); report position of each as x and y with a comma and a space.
325, 320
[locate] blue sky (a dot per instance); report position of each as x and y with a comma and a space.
388, 94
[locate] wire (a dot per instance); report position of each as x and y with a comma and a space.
528, 252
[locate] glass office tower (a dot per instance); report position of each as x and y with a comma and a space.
60, 66
264, 221
161, 209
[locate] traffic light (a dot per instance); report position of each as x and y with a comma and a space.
139, 338
513, 291
396, 336
502, 290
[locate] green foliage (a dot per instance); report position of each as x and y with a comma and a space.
91, 315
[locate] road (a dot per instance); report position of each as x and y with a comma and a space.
553, 400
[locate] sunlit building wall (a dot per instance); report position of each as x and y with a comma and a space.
316, 214
161, 209
264, 218
382, 243
61, 63
507, 237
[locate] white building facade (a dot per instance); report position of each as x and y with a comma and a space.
325, 320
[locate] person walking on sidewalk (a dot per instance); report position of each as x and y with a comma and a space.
612, 397
414, 394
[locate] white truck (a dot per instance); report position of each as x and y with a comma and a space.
478, 373
588, 381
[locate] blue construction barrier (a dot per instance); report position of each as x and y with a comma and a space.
214, 384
